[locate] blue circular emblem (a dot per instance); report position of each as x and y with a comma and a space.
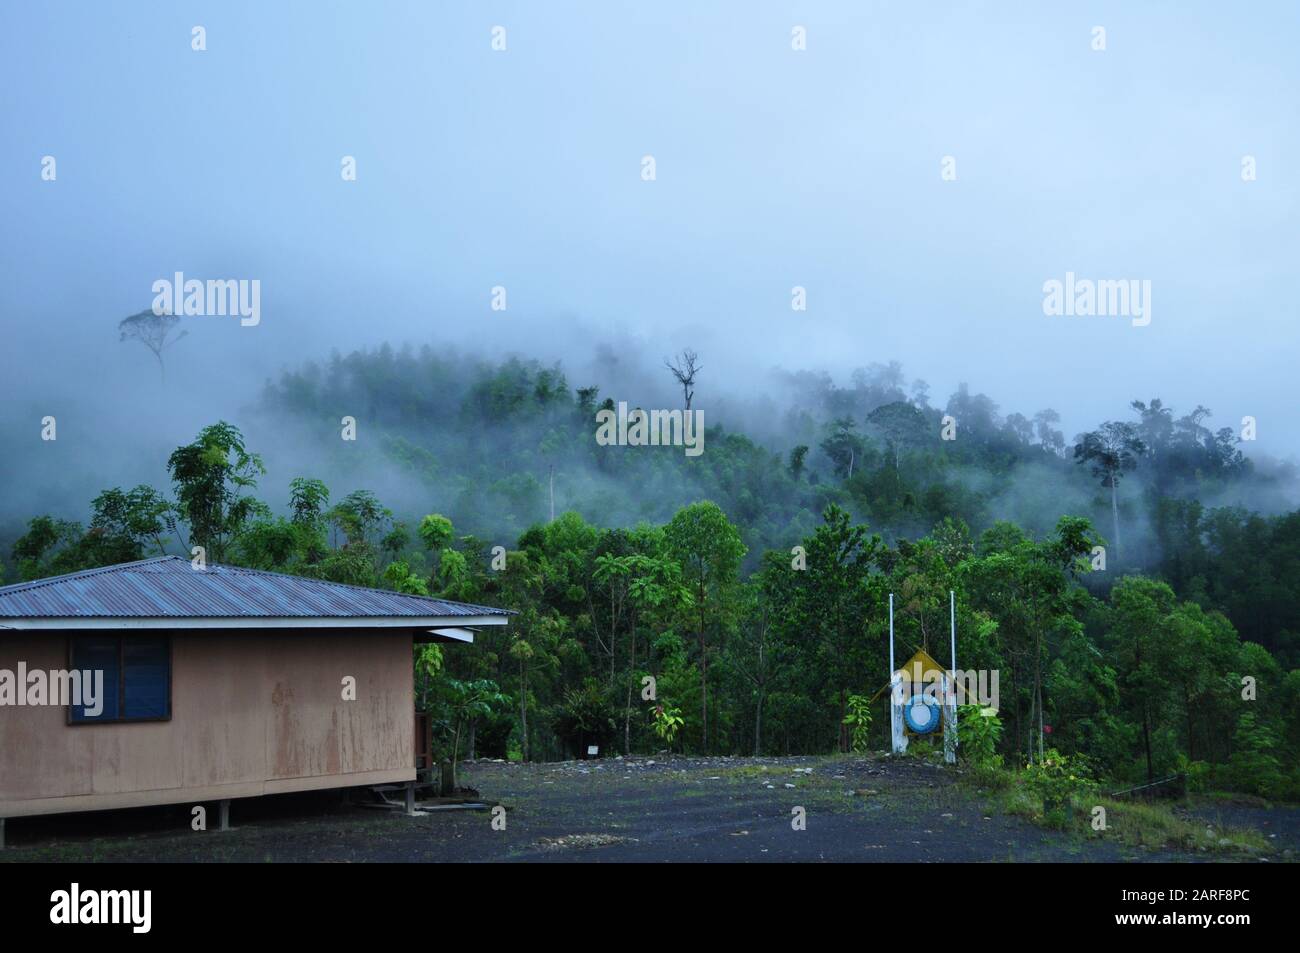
921, 714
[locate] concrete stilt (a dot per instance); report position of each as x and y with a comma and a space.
2, 833
410, 798
224, 811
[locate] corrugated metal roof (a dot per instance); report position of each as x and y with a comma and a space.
168, 587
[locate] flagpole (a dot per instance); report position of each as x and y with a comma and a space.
952, 618
893, 706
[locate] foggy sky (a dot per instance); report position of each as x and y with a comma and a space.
775, 168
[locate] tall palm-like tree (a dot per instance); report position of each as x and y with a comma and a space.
1111, 449
154, 331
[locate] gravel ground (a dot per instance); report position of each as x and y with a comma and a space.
686, 809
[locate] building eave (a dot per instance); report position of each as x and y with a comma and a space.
130, 623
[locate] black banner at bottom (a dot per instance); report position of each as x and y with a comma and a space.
369, 901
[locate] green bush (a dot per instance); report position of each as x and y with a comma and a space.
858, 719
1198, 774
989, 773
1057, 781
977, 734
921, 747
1254, 767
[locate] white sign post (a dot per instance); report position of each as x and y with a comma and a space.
897, 737
950, 689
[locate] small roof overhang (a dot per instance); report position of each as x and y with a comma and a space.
454, 634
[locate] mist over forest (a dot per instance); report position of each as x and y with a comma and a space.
441, 428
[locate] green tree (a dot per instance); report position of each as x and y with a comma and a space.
463, 702
757, 653
211, 476
831, 602
1111, 450
706, 544
901, 424
797, 457
843, 446
1139, 624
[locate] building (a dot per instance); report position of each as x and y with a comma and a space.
217, 683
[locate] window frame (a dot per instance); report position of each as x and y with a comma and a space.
121, 682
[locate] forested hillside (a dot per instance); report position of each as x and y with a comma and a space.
626, 562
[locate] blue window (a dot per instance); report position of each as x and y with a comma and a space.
137, 683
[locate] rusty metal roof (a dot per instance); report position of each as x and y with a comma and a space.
168, 587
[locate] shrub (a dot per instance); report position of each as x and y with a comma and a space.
1254, 766
1057, 781
989, 773
921, 747
859, 720
977, 734
1198, 774
666, 722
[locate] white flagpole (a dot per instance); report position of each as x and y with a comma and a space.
952, 616
891, 637
893, 702
950, 735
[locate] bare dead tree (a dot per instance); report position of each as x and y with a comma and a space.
684, 368
154, 331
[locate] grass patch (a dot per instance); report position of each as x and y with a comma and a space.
987, 776
1156, 825
1021, 803
1139, 824
1136, 824
1217, 798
